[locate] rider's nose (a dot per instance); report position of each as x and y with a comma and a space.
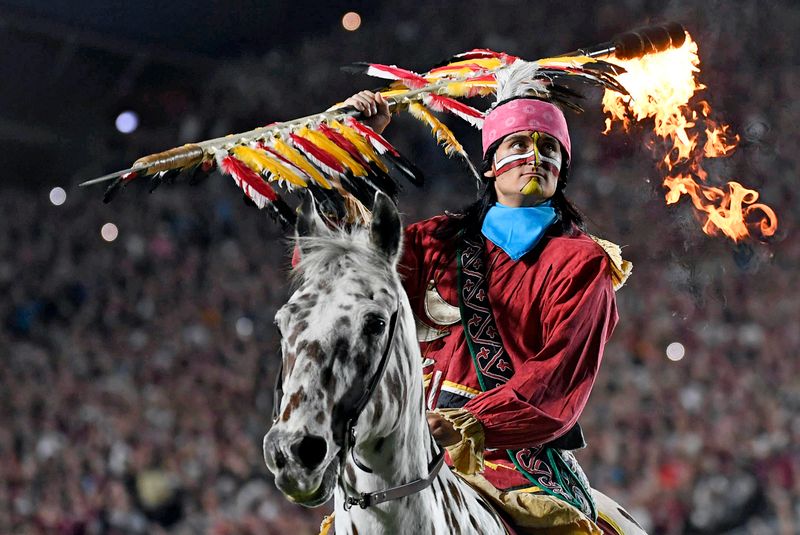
310, 451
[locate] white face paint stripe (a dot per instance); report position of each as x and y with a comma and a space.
512, 158
515, 160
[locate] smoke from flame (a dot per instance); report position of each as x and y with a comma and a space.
661, 87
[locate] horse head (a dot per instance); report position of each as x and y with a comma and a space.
335, 329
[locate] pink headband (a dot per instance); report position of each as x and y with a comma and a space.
525, 114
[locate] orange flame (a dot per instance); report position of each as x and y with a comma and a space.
661, 87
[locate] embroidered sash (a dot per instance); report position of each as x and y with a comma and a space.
551, 469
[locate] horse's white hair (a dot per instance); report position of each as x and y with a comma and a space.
321, 252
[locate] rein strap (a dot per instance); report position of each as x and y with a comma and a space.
368, 499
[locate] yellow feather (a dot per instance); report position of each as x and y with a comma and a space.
470, 88
258, 161
464, 67
320, 140
566, 60
393, 93
362, 145
440, 131
299, 161
484, 63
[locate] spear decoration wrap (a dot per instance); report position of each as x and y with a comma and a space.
342, 162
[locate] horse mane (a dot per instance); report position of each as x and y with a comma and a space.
319, 253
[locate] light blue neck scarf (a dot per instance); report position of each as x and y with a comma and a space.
517, 230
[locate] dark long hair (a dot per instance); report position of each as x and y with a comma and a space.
469, 220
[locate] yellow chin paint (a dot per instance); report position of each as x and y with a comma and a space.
532, 186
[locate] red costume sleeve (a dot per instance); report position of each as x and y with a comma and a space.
549, 391
410, 265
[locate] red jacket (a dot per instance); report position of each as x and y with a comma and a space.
555, 310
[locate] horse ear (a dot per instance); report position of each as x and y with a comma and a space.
385, 231
307, 222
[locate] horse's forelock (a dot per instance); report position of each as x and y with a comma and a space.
319, 254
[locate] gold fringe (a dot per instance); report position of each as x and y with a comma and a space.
620, 268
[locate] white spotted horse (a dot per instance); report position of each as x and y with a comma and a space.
349, 416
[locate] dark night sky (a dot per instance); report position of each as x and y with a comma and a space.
208, 27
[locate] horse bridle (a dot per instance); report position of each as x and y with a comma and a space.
368, 499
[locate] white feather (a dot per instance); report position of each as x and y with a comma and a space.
520, 80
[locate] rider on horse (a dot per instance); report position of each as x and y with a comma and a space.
514, 304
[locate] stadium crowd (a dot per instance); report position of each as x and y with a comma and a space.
135, 384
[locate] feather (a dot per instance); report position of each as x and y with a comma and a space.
299, 161
412, 173
251, 183
116, 186
324, 161
443, 135
286, 163
258, 161
465, 67
341, 155
520, 79
343, 143
377, 141
482, 85
361, 144
482, 53
393, 72
377, 176
464, 111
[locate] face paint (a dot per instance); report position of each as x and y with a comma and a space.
534, 157
515, 160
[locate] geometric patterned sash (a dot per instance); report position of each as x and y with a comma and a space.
553, 470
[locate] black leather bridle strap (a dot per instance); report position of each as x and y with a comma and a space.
366, 395
368, 499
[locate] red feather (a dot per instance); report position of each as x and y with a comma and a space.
464, 111
318, 155
393, 72
343, 142
478, 53
380, 144
251, 182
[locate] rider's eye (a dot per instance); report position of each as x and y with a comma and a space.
374, 325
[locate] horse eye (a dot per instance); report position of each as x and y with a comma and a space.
374, 326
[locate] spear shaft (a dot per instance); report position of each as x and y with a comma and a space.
628, 45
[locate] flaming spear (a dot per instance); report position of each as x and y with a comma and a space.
331, 150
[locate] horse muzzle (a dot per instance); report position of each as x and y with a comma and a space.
304, 469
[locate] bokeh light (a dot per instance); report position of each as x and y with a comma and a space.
127, 122
351, 21
109, 232
244, 327
675, 351
58, 196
